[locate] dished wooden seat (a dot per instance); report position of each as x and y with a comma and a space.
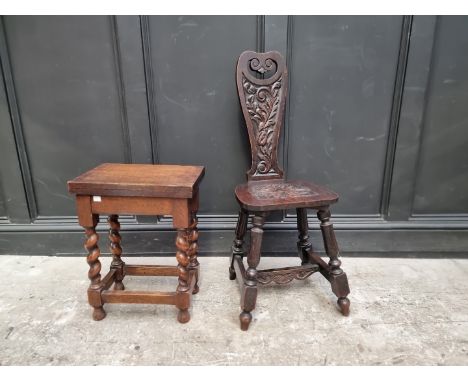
270, 195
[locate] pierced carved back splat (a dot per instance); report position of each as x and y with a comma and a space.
263, 101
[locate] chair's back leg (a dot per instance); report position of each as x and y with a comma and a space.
303, 244
237, 247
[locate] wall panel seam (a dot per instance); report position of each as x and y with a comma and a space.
149, 82
16, 122
127, 147
260, 33
286, 123
395, 112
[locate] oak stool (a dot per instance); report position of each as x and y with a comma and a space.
139, 189
262, 82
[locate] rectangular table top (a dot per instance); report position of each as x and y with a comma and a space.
152, 180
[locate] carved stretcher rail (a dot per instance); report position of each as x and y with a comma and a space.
286, 275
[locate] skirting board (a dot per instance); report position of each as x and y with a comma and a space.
352, 242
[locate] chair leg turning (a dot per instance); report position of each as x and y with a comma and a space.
303, 244
249, 292
337, 278
237, 247
250, 277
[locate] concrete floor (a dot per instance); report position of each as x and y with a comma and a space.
403, 312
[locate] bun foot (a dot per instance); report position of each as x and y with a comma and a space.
232, 274
343, 303
245, 319
119, 285
183, 316
196, 289
99, 314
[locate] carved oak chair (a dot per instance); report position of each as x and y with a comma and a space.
262, 82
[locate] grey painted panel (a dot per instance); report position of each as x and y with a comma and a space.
342, 79
411, 118
82, 81
65, 78
3, 212
6, 144
12, 195
199, 120
276, 35
442, 178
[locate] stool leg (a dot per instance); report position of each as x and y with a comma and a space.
237, 247
249, 294
183, 297
338, 279
94, 275
193, 251
303, 244
116, 250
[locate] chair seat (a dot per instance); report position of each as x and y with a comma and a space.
268, 195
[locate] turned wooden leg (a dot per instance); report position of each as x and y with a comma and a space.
94, 273
237, 247
303, 244
193, 251
249, 295
338, 279
116, 250
183, 297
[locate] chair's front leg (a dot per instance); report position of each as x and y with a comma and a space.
338, 279
249, 295
237, 247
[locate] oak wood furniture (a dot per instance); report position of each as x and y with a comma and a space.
262, 82
140, 189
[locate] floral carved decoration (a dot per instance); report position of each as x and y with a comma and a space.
280, 190
285, 276
262, 104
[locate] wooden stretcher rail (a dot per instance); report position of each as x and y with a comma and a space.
138, 297
151, 270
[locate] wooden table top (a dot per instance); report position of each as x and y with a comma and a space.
152, 180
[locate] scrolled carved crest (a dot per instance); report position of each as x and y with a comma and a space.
262, 101
262, 64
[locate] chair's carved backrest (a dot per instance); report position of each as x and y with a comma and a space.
263, 98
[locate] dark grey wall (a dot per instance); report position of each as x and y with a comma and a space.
342, 80
441, 181
377, 111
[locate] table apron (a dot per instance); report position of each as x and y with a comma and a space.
137, 205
